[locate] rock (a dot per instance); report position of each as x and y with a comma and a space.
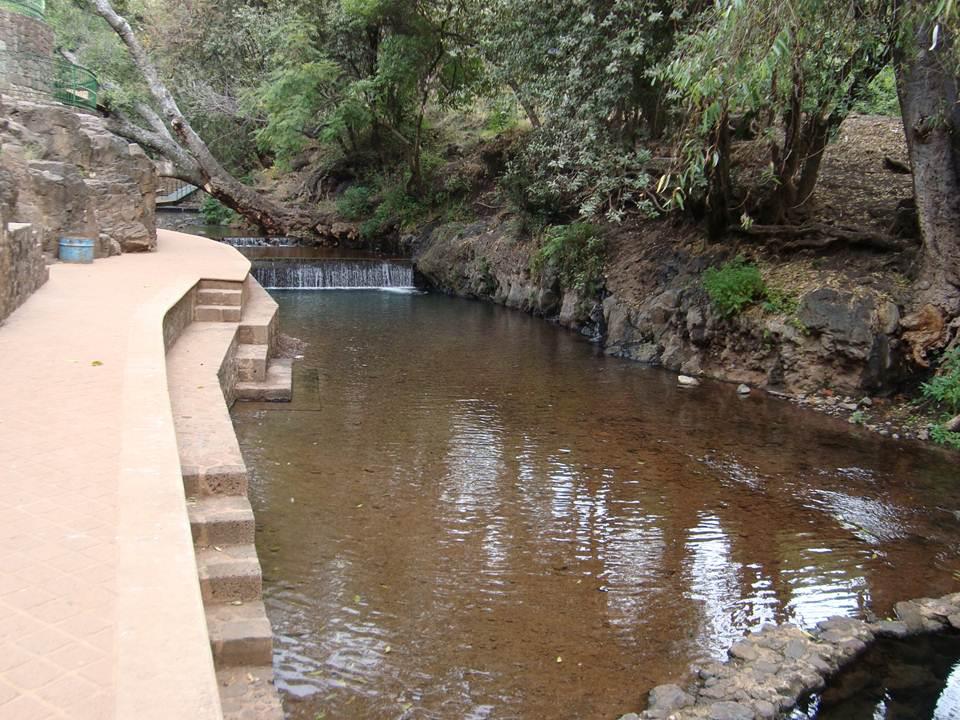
630, 716
852, 407
667, 699
890, 628
743, 390
744, 650
730, 711
866, 402
687, 381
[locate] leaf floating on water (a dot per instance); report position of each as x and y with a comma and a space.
218, 548
387, 650
559, 659
357, 599
96, 363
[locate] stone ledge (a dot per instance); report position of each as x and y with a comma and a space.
769, 672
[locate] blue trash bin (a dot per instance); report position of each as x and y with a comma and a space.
76, 250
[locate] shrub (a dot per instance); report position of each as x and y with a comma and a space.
944, 390
356, 203
216, 213
880, 96
578, 252
734, 286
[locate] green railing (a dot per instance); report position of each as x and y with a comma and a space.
32, 8
36, 75
75, 85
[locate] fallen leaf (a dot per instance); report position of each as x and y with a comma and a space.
96, 363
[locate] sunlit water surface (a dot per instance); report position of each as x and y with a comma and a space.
469, 513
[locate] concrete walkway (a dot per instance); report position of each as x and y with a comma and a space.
100, 609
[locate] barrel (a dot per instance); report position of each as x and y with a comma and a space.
76, 250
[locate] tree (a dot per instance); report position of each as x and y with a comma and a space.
791, 71
927, 76
167, 132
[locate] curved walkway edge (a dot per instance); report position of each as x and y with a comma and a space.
100, 610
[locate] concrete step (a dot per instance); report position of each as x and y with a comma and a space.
251, 363
201, 482
229, 573
240, 634
216, 313
277, 387
248, 693
260, 320
220, 521
216, 296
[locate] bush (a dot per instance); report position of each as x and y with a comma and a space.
216, 213
734, 286
880, 96
944, 390
356, 203
578, 252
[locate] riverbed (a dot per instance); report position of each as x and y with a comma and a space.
466, 512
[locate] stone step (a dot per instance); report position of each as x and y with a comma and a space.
251, 363
201, 482
248, 693
277, 387
220, 285
258, 325
229, 573
216, 296
240, 634
224, 520
216, 313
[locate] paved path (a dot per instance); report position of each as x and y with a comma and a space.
93, 558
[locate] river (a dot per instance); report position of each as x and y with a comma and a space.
466, 512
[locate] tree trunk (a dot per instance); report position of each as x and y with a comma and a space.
171, 135
720, 190
928, 101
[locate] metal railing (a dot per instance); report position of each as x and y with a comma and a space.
37, 76
31, 8
75, 85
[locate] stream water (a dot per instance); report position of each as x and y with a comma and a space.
469, 513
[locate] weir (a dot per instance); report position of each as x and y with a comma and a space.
330, 274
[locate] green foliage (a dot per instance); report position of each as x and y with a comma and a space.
940, 435
858, 417
577, 252
216, 213
778, 302
880, 96
734, 286
944, 390
356, 202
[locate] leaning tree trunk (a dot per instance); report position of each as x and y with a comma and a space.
171, 135
928, 101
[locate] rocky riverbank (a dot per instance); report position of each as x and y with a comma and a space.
769, 672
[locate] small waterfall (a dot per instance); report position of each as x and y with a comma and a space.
242, 242
332, 274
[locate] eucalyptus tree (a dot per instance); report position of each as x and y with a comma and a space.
927, 64
789, 69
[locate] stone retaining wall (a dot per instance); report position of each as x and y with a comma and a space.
22, 267
769, 672
26, 48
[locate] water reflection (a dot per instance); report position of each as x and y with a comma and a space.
491, 520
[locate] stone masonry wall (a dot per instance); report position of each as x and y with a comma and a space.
26, 49
22, 267
77, 179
